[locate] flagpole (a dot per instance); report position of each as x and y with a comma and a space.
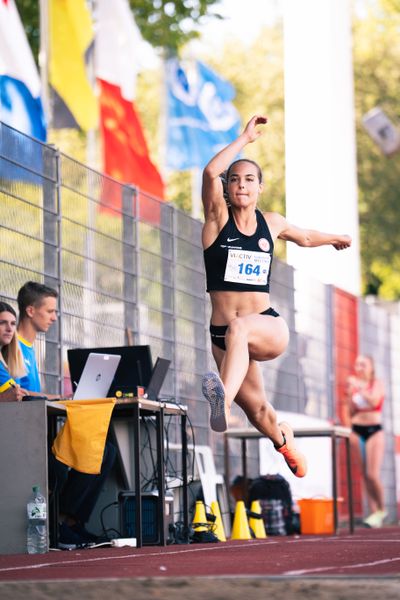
196, 175
91, 145
196, 192
43, 59
163, 117
91, 153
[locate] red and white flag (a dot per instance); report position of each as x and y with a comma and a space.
125, 151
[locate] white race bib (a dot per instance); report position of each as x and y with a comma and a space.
246, 266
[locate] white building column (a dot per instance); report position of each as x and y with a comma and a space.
321, 170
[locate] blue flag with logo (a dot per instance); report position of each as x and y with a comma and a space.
21, 110
201, 118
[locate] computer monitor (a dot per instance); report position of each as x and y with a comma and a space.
157, 378
134, 369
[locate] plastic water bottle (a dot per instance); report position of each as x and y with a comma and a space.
37, 522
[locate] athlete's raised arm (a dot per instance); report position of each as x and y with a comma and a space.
212, 190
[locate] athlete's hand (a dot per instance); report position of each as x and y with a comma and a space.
251, 130
343, 241
351, 385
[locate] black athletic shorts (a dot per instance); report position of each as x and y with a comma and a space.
365, 431
218, 332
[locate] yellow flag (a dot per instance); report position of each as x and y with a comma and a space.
70, 34
80, 443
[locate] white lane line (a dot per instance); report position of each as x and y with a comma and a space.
336, 567
252, 543
337, 540
164, 557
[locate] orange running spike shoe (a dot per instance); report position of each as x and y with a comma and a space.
295, 460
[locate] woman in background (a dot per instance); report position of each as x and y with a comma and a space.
365, 394
11, 361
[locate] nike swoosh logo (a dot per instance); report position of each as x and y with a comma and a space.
232, 239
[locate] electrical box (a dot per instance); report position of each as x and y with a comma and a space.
150, 518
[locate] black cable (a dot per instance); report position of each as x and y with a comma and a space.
170, 468
167, 459
144, 443
153, 477
183, 408
105, 531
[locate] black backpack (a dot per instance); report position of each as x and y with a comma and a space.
271, 488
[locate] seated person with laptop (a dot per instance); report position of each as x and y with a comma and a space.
78, 492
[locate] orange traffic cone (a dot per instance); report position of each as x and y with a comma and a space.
218, 526
240, 528
257, 524
199, 522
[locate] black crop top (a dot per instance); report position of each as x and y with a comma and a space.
238, 262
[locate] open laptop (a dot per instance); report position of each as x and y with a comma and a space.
134, 369
97, 376
157, 378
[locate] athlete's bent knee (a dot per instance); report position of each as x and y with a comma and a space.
236, 329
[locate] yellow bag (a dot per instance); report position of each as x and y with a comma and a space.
80, 443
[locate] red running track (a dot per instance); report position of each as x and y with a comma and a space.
372, 552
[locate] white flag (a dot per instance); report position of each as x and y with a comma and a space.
118, 42
20, 102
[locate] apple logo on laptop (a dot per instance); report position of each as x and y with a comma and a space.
98, 377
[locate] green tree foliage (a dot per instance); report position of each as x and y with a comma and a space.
29, 13
166, 24
376, 59
391, 6
170, 24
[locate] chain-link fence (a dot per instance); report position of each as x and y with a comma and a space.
129, 270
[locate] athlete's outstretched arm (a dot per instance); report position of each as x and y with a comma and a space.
212, 191
310, 238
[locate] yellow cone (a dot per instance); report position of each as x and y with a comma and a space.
199, 522
257, 525
240, 528
218, 526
